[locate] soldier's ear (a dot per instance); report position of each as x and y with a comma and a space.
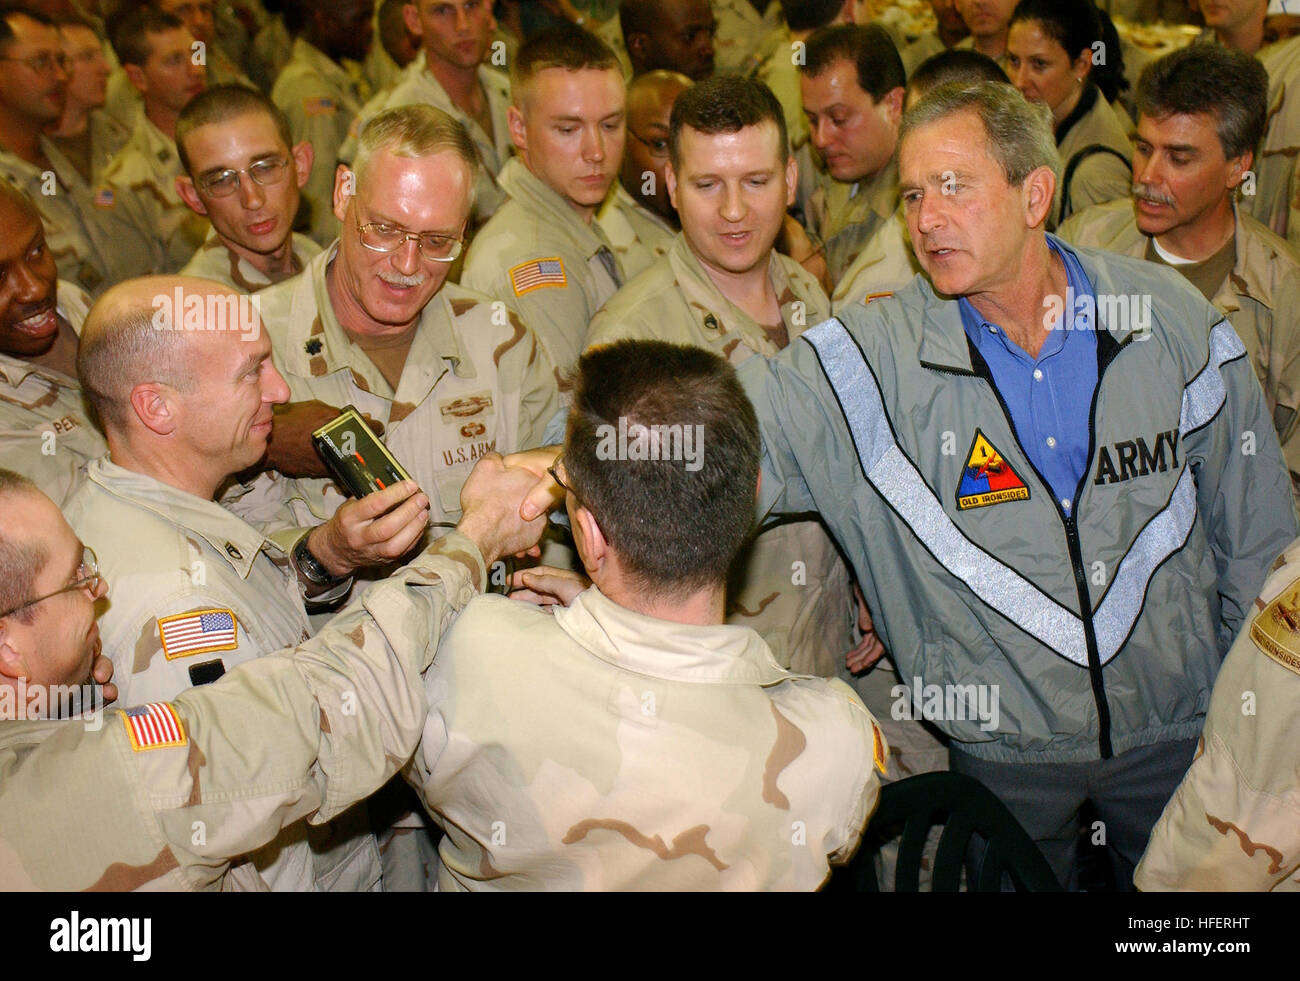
345, 188
791, 179
304, 156
518, 129
411, 18
190, 195
892, 101
670, 182
135, 75
593, 548
1237, 167
11, 662
153, 407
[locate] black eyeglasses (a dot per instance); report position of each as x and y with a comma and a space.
88, 578
554, 471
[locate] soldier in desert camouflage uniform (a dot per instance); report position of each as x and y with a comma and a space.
543, 252
641, 743
117, 806
450, 374
46, 432
1234, 821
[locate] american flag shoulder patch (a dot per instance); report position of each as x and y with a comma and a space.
879, 748
538, 274
198, 632
104, 198
319, 106
153, 726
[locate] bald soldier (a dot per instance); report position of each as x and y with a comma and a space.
373, 322
181, 375
116, 807
638, 218
46, 431
543, 252
1234, 822
722, 287
454, 72
641, 743
243, 174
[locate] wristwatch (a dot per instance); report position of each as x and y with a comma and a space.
310, 568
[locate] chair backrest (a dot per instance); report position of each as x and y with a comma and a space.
964, 807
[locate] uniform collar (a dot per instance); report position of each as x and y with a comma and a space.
849, 204
716, 314
318, 345
621, 198
944, 343
535, 196
153, 144
232, 538
721, 654
243, 273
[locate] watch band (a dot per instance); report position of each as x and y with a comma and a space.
310, 567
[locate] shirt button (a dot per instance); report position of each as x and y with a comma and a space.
1065, 503
992, 329
1038, 374
1051, 442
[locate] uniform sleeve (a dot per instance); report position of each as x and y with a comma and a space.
549, 298
527, 368
168, 644
303, 733
314, 117
1243, 488
1282, 392
1234, 821
768, 383
1100, 177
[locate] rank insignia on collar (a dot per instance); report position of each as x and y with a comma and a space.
313, 345
987, 478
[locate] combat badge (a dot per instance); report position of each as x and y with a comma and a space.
1276, 631
987, 478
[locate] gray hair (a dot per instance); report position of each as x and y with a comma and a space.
20, 561
416, 131
1019, 132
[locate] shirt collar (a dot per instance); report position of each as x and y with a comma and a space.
318, 345
631, 641
232, 538
519, 182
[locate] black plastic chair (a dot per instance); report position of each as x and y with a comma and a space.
965, 807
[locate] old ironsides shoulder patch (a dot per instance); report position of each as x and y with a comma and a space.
987, 478
1276, 631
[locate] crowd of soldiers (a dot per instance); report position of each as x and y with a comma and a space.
768, 368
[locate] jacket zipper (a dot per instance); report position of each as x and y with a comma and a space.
1104, 359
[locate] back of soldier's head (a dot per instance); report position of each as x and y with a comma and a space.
1209, 79
724, 104
953, 65
810, 15
222, 103
569, 48
663, 449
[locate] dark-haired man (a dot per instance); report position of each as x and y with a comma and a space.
1201, 112
949, 28
454, 73
138, 192
46, 432
852, 84
543, 252
643, 743
318, 96
32, 91
722, 287
243, 174
669, 35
